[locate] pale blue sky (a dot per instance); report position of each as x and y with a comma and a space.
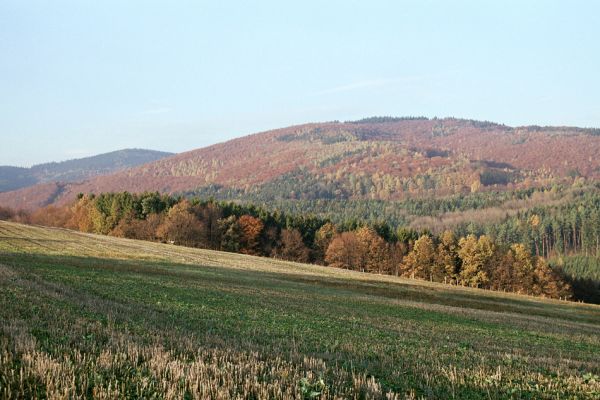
84, 77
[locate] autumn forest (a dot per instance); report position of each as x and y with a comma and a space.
523, 254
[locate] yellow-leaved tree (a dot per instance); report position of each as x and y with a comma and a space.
420, 261
447, 261
476, 256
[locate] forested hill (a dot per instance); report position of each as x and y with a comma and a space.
12, 178
372, 159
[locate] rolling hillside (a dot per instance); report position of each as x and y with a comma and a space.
376, 159
12, 178
84, 315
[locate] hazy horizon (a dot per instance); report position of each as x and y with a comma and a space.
83, 79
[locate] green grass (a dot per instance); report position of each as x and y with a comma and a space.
94, 316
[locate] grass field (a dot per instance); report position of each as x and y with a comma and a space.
93, 316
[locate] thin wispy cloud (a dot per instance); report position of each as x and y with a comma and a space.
371, 83
157, 110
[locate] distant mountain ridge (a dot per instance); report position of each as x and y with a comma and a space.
379, 158
13, 178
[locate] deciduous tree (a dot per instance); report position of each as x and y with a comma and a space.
343, 251
475, 256
323, 238
419, 262
251, 228
447, 261
292, 247
181, 226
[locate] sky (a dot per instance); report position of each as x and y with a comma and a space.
80, 77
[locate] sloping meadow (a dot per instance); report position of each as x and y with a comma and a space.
85, 316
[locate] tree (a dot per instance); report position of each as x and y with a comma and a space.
373, 251
152, 203
343, 251
125, 228
292, 247
523, 269
475, 256
534, 223
210, 215
135, 228
397, 251
251, 228
271, 240
502, 277
232, 234
181, 226
82, 213
323, 238
549, 283
419, 262
110, 208
51, 216
447, 261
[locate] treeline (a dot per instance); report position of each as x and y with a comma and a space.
582, 273
570, 228
382, 119
468, 261
395, 213
566, 234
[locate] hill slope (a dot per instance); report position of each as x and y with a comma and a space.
378, 158
120, 318
12, 178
